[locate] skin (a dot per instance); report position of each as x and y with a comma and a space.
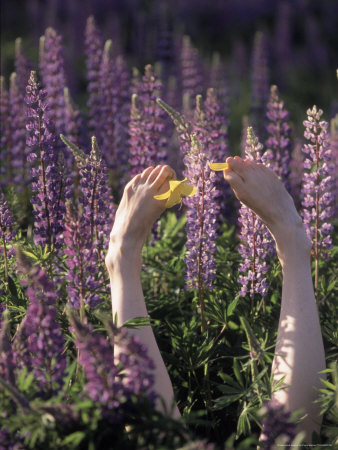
299, 351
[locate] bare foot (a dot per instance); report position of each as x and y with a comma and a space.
138, 210
259, 188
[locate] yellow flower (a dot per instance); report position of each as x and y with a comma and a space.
218, 166
177, 190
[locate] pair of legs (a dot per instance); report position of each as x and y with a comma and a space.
299, 343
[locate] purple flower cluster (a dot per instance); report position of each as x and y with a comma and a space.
87, 229
18, 114
202, 207
6, 169
23, 67
256, 242
7, 234
94, 51
82, 262
259, 82
39, 342
47, 181
114, 107
98, 209
192, 74
146, 126
277, 156
112, 380
53, 76
276, 425
317, 184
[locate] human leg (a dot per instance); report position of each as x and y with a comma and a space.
299, 350
135, 216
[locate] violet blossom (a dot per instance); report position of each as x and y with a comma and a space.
317, 186
6, 170
192, 74
146, 126
93, 50
53, 76
47, 181
112, 380
39, 342
259, 83
114, 108
277, 156
256, 241
276, 426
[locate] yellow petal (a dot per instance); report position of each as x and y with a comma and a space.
174, 184
163, 196
218, 166
174, 199
187, 189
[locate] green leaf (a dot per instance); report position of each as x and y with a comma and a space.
137, 322
232, 306
237, 372
74, 438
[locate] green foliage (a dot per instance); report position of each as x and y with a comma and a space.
221, 378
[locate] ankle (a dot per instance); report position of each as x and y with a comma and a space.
122, 256
292, 244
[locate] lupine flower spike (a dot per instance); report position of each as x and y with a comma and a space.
256, 242
202, 208
47, 181
317, 186
177, 190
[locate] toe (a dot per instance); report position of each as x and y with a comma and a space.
154, 174
146, 173
166, 173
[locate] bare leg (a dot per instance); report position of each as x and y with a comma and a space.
299, 343
135, 216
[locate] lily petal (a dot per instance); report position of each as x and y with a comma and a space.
177, 189
218, 166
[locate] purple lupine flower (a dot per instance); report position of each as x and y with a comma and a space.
7, 363
53, 76
317, 186
82, 262
123, 99
95, 197
5, 136
112, 381
277, 156
276, 424
334, 165
146, 126
192, 74
256, 242
114, 109
7, 234
19, 150
218, 81
47, 182
296, 172
39, 342
23, 67
216, 129
76, 133
201, 226
93, 50
259, 83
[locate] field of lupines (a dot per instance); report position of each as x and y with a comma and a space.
211, 278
